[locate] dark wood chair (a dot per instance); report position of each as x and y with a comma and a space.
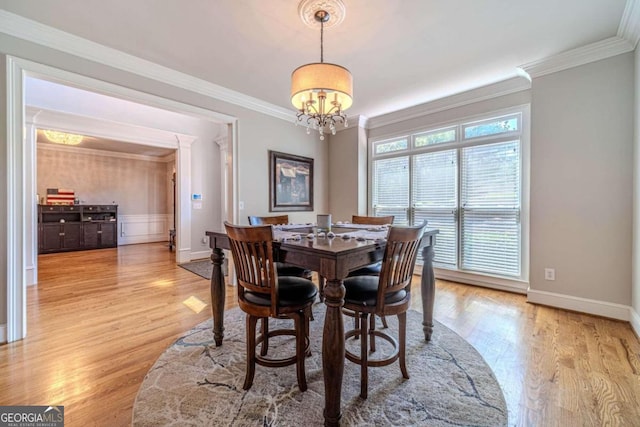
384, 295
263, 294
283, 268
372, 220
372, 269
270, 220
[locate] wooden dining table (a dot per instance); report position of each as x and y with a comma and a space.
333, 259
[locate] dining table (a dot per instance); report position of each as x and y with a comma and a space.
332, 255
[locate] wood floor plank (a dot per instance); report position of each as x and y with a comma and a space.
98, 320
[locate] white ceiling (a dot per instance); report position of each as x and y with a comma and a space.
401, 53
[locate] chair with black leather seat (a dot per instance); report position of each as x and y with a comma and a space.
384, 295
262, 294
283, 268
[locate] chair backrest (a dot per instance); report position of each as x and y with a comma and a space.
252, 251
399, 260
372, 220
274, 220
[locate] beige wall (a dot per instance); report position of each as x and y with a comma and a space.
581, 180
138, 187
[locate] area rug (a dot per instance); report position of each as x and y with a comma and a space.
195, 383
202, 268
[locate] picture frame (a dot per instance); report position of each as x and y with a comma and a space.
290, 182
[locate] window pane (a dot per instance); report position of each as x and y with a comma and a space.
491, 176
491, 127
391, 188
391, 146
446, 249
435, 197
491, 242
435, 137
490, 201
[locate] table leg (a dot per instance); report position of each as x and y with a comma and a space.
333, 351
428, 287
217, 295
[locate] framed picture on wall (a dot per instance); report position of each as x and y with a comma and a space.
290, 182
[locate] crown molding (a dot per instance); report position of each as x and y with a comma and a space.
583, 55
93, 152
483, 93
629, 28
91, 126
35, 32
357, 120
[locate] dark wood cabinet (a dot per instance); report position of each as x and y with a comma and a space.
76, 227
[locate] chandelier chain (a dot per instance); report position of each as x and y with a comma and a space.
322, 41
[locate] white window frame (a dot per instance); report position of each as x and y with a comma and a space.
513, 284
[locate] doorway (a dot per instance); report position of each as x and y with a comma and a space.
21, 186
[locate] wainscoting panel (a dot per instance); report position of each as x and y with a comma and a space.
149, 228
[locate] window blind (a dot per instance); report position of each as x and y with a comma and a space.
391, 188
490, 208
434, 197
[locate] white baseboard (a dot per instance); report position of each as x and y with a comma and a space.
583, 305
3, 334
479, 280
31, 276
201, 254
635, 321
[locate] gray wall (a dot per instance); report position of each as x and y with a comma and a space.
581, 180
346, 163
636, 194
257, 134
3, 191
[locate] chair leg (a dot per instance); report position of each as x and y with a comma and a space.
251, 352
372, 327
402, 331
307, 318
321, 283
384, 321
356, 324
364, 376
300, 320
264, 348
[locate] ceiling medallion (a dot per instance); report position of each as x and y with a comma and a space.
308, 8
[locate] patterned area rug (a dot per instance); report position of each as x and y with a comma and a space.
195, 383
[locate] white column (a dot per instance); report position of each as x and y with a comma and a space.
31, 205
183, 202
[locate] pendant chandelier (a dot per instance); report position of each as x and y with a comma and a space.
62, 137
321, 91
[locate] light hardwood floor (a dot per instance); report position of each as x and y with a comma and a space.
98, 320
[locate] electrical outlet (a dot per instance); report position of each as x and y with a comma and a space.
204, 240
549, 274
241, 205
